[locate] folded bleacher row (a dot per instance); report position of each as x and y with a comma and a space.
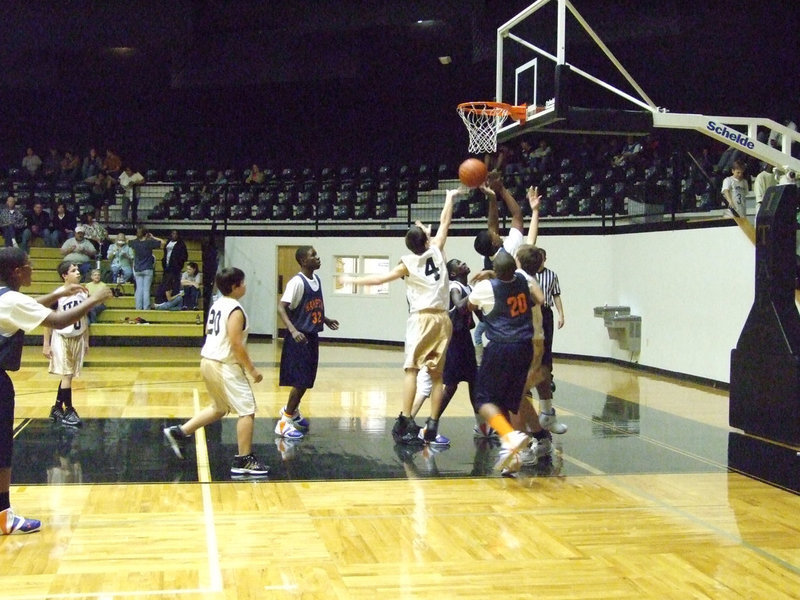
571, 186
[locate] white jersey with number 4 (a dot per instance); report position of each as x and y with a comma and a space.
78, 327
218, 344
428, 284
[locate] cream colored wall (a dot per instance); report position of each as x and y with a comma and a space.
693, 290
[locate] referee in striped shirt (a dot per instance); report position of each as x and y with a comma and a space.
548, 281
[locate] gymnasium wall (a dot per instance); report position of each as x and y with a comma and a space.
693, 290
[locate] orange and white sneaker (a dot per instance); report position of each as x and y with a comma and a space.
12, 524
285, 427
509, 460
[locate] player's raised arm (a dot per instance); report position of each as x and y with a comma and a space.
445, 219
534, 199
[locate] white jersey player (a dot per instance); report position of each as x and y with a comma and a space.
66, 348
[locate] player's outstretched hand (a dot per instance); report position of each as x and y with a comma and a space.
487, 191
332, 324
257, 376
534, 197
71, 289
100, 295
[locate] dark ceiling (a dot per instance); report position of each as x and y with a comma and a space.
227, 80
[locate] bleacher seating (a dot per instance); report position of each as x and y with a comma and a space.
118, 325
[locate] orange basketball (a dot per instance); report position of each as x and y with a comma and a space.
472, 172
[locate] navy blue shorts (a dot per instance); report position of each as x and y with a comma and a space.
460, 363
6, 420
299, 362
501, 376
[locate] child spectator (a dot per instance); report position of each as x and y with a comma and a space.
168, 294
191, 283
93, 286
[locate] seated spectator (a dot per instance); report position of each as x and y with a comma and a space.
256, 176
38, 225
129, 181
541, 159
70, 167
79, 251
93, 286
51, 167
121, 256
92, 166
96, 233
169, 295
112, 164
629, 153
101, 193
12, 222
31, 162
62, 226
191, 284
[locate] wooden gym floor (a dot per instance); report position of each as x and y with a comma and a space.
650, 495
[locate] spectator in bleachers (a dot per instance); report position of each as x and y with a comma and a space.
629, 153
92, 166
169, 295
765, 179
51, 167
38, 225
144, 264
12, 222
31, 162
70, 166
96, 233
735, 188
101, 193
726, 160
541, 159
112, 164
79, 251
256, 176
95, 285
63, 226
175, 255
129, 181
191, 284
121, 256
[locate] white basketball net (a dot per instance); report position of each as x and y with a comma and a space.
482, 121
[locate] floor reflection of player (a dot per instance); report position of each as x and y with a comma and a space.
66, 467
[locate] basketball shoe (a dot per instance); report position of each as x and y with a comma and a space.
56, 414
12, 524
512, 444
439, 440
550, 422
285, 427
71, 417
484, 430
406, 431
299, 421
248, 466
176, 439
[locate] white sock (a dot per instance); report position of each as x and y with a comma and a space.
546, 405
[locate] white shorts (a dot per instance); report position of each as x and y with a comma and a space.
66, 354
228, 387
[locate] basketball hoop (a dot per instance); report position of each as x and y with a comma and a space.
483, 120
